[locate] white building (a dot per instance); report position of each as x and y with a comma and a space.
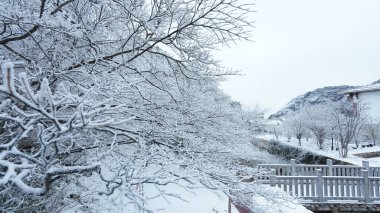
369, 95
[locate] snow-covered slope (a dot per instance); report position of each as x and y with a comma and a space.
376, 82
319, 96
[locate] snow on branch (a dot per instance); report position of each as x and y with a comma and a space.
8, 78
40, 128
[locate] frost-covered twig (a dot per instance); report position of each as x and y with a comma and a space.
38, 123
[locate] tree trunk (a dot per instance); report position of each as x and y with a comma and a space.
344, 150
320, 142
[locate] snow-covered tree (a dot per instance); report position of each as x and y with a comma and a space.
371, 130
274, 128
111, 87
318, 120
296, 124
348, 119
286, 130
254, 119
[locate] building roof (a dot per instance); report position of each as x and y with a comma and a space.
370, 88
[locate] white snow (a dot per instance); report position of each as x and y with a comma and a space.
199, 200
284, 203
203, 200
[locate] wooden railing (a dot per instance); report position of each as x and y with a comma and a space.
321, 183
294, 169
328, 188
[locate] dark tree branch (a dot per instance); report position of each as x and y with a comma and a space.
17, 38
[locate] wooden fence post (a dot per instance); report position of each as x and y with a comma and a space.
366, 165
329, 169
272, 177
366, 185
292, 167
319, 185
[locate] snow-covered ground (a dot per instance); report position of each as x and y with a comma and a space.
84, 197
284, 203
312, 146
199, 200
203, 200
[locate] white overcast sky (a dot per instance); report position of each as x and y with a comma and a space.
301, 45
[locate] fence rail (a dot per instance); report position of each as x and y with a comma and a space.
294, 169
321, 183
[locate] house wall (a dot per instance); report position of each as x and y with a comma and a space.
373, 101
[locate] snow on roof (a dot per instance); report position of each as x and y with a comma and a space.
370, 88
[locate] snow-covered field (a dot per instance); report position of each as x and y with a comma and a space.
312, 146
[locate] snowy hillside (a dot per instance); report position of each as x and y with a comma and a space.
315, 97
318, 96
376, 82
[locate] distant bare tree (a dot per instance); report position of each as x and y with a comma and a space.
318, 121
276, 130
348, 119
307, 135
286, 131
372, 130
254, 118
297, 126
